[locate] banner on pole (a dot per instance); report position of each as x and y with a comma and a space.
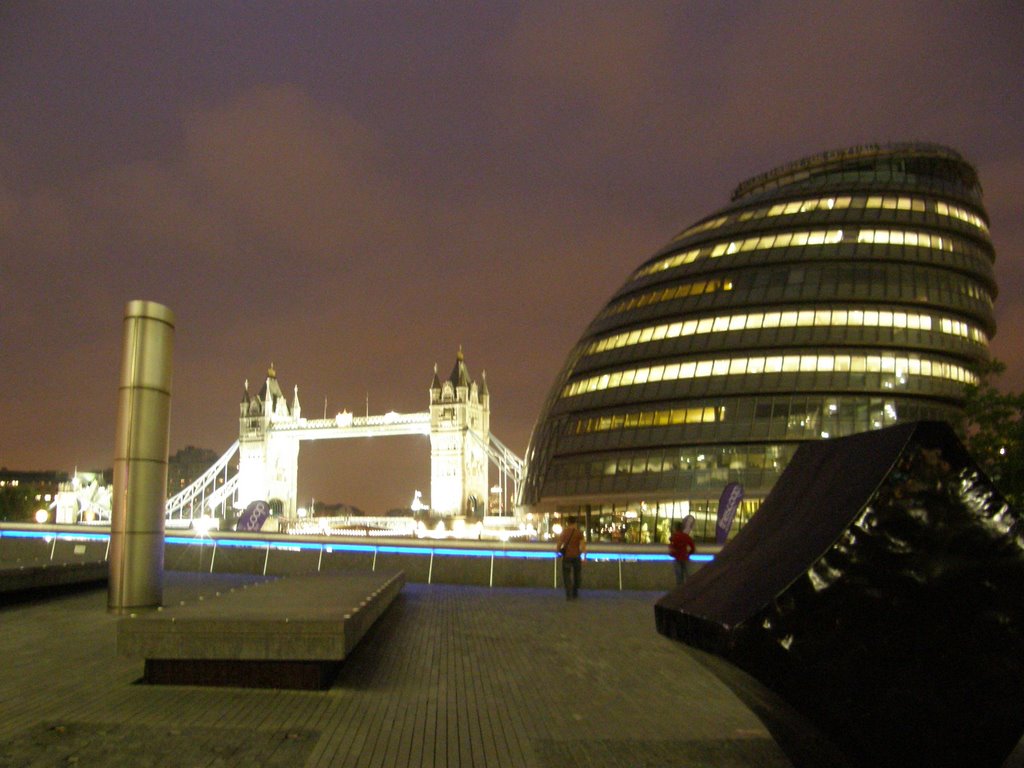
728, 504
254, 516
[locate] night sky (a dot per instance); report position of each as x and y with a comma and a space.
350, 191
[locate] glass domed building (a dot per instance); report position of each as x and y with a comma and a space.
840, 293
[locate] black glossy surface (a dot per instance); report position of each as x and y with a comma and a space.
879, 592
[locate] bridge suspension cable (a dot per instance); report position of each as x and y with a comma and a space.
510, 466
210, 490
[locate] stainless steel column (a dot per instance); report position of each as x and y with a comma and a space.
140, 458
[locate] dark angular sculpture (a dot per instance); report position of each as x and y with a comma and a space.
872, 612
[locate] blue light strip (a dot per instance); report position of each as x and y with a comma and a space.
55, 534
183, 540
242, 543
27, 534
383, 549
405, 550
647, 557
349, 547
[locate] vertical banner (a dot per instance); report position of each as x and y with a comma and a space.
727, 506
254, 516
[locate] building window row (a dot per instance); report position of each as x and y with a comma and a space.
778, 418
699, 466
823, 280
664, 417
956, 212
807, 238
669, 460
788, 319
667, 294
883, 202
898, 365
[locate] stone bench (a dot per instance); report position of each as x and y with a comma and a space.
291, 632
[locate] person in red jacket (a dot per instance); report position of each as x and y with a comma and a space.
680, 546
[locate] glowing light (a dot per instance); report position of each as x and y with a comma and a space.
42, 516
202, 525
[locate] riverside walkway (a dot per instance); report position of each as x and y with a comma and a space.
449, 676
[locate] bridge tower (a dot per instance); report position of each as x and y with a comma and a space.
268, 465
460, 428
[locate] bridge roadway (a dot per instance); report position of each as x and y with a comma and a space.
347, 425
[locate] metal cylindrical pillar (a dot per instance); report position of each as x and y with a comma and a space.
140, 458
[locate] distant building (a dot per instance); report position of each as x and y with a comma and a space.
186, 465
22, 494
841, 293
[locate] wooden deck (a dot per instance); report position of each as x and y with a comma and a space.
448, 676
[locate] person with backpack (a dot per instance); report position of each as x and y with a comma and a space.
571, 545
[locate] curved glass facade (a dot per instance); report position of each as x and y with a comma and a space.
844, 292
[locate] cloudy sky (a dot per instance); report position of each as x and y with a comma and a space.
350, 191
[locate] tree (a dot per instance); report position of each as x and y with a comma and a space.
17, 503
993, 431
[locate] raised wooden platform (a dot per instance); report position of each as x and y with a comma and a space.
38, 579
291, 632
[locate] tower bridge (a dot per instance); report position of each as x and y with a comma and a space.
271, 430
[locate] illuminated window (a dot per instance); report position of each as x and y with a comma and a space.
711, 224
773, 364
900, 237
820, 318
796, 206
812, 237
667, 294
658, 418
956, 212
884, 202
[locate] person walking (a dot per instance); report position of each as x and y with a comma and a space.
571, 545
680, 546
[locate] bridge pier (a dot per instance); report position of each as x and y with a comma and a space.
460, 417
